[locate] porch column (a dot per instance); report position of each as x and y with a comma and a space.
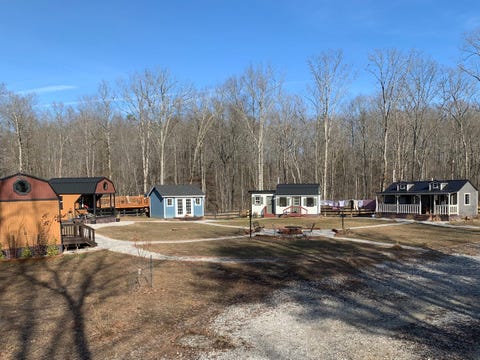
396, 200
420, 204
448, 205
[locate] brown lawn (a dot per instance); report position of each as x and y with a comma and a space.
96, 306
423, 235
174, 230
100, 304
321, 222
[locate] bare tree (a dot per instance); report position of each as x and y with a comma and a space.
421, 89
388, 68
205, 111
471, 54
106, 113
254, 96
153, 99
457, 92
330, 79
18, 115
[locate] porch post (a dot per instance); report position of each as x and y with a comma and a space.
396, 200
448, 205
420, 204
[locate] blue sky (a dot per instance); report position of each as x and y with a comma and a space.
63, 49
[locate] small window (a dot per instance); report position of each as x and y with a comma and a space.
22, 187
257, 200
310, 202
198, 201
435, 186
105, 185
282, 201
403, 187
467, 199
296, 201
169, 202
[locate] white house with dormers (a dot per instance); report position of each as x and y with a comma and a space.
287, 199
444, 199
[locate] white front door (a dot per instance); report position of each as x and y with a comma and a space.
184, 207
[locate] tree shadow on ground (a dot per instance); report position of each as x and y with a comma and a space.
46, 319
429, 300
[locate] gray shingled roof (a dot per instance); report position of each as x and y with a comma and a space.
421, 187
298, 189
177, 190
79, 185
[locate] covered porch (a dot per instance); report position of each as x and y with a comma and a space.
418, 204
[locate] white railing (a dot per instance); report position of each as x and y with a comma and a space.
446, 209
399, 209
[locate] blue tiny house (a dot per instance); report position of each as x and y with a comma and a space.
176, 201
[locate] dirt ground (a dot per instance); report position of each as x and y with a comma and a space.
104, 305
96, 305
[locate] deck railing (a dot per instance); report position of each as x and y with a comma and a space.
77, 233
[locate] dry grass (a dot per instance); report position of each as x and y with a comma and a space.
275, 249
321, 222
174, 230
424, 235
82, 306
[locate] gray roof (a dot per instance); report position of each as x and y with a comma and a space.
79, 185
422, 187
177, 190
298, 189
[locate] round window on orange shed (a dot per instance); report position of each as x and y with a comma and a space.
22, 187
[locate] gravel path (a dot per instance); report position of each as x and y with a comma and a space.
415, 310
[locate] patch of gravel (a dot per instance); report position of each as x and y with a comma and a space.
412, 310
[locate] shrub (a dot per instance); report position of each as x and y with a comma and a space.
26, 252
52, 250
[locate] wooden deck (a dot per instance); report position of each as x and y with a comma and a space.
77, 235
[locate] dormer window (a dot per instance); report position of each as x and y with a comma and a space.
404, 186
435, 186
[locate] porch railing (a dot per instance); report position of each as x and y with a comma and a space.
415, 209
399, 208
446, 209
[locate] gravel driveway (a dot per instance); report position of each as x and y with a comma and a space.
421, 309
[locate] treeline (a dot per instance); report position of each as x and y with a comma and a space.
420, 121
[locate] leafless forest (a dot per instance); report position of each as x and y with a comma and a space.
419, 121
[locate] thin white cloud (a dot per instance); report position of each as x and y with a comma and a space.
48, 89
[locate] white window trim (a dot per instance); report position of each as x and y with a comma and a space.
257, 200
198, 201
465, 199
169, 202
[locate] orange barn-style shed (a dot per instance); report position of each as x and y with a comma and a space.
80, 197
29, 213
